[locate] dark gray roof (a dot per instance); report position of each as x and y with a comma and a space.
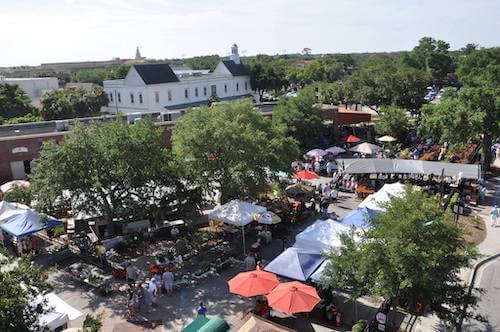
235, 69
156, 73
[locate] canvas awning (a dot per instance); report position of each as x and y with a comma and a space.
236, 213
59, 312
27, 223
322, 235
203, 324
385, 194
295, 263
10, 210
254, 323
360, 218
403, 166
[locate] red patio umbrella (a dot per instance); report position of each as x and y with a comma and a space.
352, 139
293, 297
253, 283
305, 175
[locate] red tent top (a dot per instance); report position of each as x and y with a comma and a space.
352, 139
305, 175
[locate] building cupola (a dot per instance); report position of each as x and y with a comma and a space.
234, 54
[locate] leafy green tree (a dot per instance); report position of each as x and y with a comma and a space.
411, 254
98, 75
19, 195
203, 62
231, 147
68, 104
30, 117
267, 72
332, 93
480, 73
107, 169
432, 56
393, 121
381, 82
14, 102
301, 118
21, 283
449, 121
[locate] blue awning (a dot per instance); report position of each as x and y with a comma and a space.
28, 223
295, 263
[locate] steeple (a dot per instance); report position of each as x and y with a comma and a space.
138, 54
234, 54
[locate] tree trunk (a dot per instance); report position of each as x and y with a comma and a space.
487, 142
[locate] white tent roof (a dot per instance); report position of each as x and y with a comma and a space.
236, 213
9, 210
59, 312
386, 138
385, 194
321, 236
366, 148
368, 166
316, 276
295, 263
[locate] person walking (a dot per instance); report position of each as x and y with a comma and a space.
494, 215
153, 290
168, 282
250, 263
202, 310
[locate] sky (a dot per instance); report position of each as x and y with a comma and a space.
40, 31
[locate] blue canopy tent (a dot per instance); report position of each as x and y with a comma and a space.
295, 263
360, 218
28, 223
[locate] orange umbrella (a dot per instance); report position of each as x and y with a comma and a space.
293, 297
253, 283
305, 175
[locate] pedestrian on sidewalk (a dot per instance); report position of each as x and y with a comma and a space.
494, 215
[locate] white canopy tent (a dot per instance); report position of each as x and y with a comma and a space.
404, 166
9, 210
386, 139
321, 236
237, 213
316, 276
59, 312
295, 263
385, 194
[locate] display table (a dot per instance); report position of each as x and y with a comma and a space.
89, 274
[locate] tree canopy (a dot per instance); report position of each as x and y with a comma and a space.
231, 147
412, 254
14, 102
107, 169
301, 118
393, 121
21, 283
98, 75
68, 104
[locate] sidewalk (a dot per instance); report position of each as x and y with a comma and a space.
490, 246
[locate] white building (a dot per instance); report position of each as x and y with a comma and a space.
157, 88
33, 87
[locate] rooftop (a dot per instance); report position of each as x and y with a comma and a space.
156, 73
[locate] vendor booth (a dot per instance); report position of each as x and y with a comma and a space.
203, 324
321, 236
237, 213
404, 166
360, 218
295, 263
385, 194
28, 223
59, 315
10, 210
254, 323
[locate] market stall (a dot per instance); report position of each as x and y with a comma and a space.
321, 236
295, 263
237, 213
10, 210
360, 218
59, 313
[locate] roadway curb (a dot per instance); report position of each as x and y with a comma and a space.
472, 279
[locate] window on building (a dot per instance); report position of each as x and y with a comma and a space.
111, 97
204, 90
237, 86
213, 89
246, 85
131, 98
196, 92
140, 98
157, 97
186, 93
119, 97
225, 88
169, 93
